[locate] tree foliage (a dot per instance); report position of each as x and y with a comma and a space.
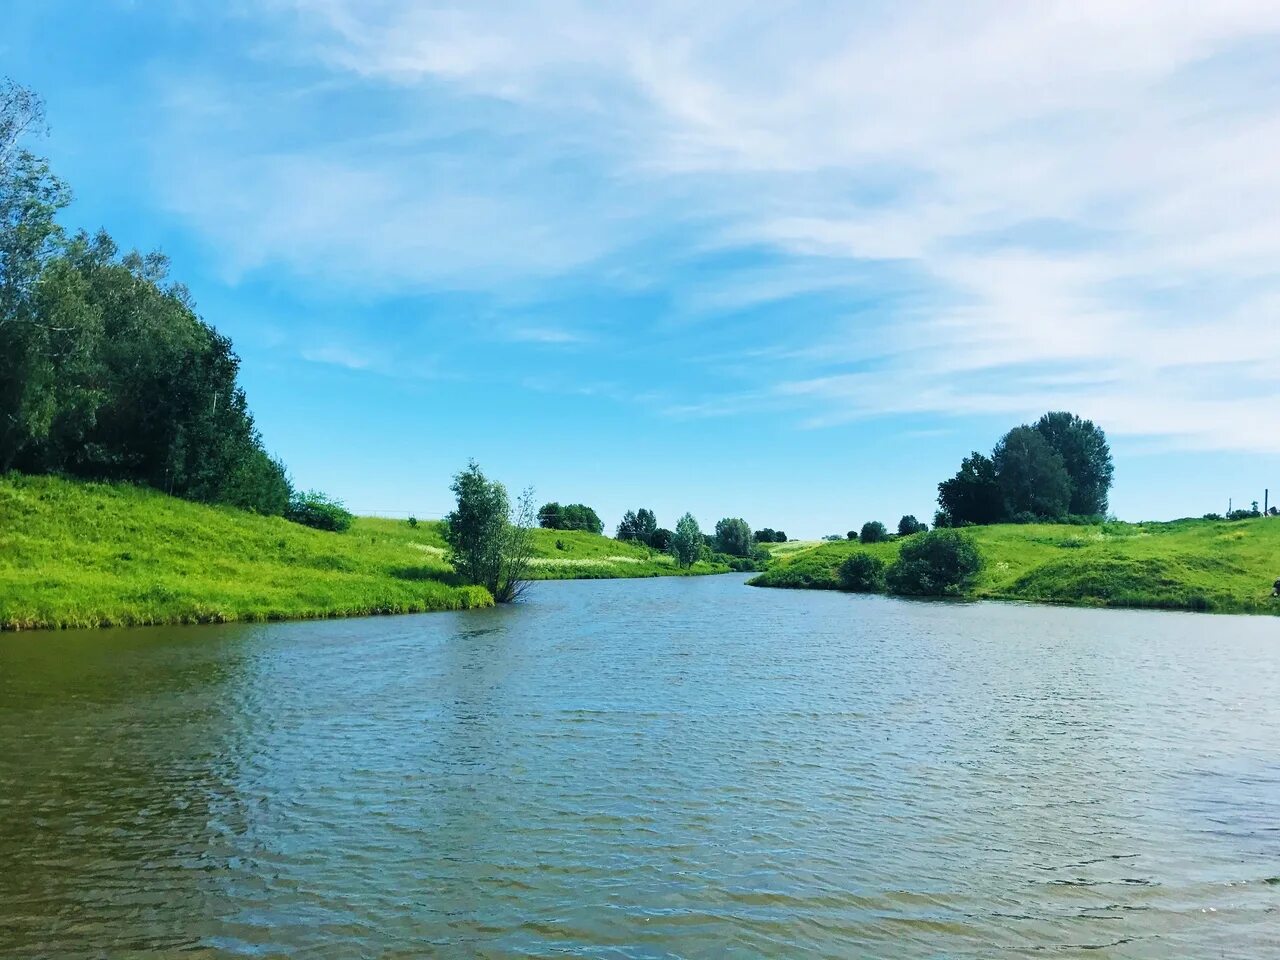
1057, 469
733, 536
687, 542
769, 535
861, 573
1032, 476
488, 545
873, 531
638, 525
938, 564
571, 516
106, 371
1086, 457
314, 509
972, 495
909, 525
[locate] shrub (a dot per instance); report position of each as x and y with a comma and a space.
862, 573
852, 535
413, 522
938, 564
873, 531
314, 509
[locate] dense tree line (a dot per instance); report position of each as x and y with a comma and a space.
1057, 468
106, 370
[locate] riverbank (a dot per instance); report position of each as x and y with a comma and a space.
76, 554
1202, 565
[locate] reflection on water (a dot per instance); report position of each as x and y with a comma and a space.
654, 768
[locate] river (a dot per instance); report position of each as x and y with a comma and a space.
643, 769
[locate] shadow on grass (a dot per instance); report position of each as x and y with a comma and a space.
415, 574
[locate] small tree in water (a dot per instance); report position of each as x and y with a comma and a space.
489, 544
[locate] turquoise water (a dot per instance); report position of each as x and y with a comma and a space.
653, 768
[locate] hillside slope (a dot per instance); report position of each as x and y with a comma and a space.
1185, 565
76, 554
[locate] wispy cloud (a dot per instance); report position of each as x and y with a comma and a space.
1007, 206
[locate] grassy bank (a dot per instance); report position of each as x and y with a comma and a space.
1183, 565
84, 555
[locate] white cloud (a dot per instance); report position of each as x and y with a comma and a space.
1086, 190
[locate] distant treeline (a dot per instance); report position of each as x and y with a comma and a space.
106, 370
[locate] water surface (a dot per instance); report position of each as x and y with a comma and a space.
654, 768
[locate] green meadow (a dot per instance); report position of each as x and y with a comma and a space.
1203, 565
76, 554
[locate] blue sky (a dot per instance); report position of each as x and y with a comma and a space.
790, 265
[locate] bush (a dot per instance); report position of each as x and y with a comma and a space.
938, 564
873, 531
314, 509
862, 573
413, 522
852, 535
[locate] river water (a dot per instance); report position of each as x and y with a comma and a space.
649, 768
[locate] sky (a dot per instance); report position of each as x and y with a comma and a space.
783, 261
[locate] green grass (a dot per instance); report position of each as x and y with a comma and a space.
1183, 565
76, 554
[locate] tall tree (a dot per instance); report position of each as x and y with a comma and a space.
489, 546
1085, 454
638, 525
733, 536
972, 495
32, 348
1032, 476
686, 543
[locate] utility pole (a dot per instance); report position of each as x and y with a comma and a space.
1266, 501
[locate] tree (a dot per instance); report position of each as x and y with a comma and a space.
938, 564
972, 495
779, 536
1031, 474
1086, 457
852, 536
30, 354
733, 536
861, 573
873, 531
578, 516
637, 525
909, 525
686, 542
106, 371
489, 546
661, 540
572, 516
314, 509
549, 516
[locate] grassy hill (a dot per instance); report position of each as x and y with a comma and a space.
1185, 565
86, 554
